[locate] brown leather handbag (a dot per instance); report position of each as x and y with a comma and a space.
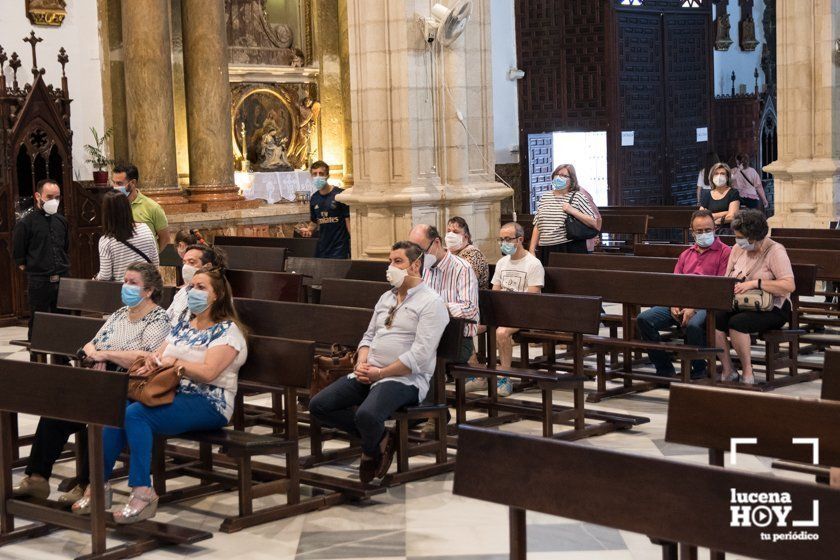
156, 388
327, 368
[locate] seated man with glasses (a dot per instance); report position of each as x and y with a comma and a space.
395, 361
707, 257
517, 271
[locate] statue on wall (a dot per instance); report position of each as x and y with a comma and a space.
746, 27
273, 153
722, 26
252, 39
46, 12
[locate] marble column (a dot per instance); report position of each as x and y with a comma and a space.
149, 101
807, 172
412, 161
207, 101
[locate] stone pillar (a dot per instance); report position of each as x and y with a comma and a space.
208, 101
149, 104
411, 159
807, 173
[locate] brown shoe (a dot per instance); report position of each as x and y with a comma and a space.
388, 455
28, 486
72, 496
367, 470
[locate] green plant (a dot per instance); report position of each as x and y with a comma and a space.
96, 153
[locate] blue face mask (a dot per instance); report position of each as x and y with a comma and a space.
122, 190
559, 183
131, 295
197, 300
319, 182
507, 248
745, 244
705, 240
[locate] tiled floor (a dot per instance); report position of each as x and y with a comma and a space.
421, 520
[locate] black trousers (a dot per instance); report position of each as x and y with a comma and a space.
43, 296
753, 321
50, 438
577, 246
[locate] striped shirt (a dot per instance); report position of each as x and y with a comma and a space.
454, 279
551, 219
115, 256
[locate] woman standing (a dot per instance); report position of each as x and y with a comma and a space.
722, 201
703, 181
760, 264
123, 241
550, 221
747, 182
459, 243
210, 348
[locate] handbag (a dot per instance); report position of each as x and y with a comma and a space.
577, 230
156, 388
753, 300
330, 367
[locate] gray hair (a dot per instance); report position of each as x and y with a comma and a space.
151, 278
520, 231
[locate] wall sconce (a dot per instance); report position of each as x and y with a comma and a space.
514, 74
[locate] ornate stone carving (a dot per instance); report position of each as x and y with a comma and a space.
46, 12
252, 39
722, 26
746, 27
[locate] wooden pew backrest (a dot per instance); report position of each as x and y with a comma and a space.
551, 312
93, 296
295, 246
278, 361
822, 244
670, 500
662, 250
268, 259
54, 333
644, 288
821, 233
352, 293
709, 417
373, 271
805, 278
827, 262
318, 269
274, 286
612, 262
63, 392
626, 224
831, 376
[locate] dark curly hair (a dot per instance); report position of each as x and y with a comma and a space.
751, 224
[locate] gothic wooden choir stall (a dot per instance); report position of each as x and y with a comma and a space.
35, 144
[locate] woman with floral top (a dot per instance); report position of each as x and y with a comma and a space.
210, 348
459, 243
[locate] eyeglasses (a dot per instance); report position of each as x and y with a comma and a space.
701, 231
507, 239
389, 320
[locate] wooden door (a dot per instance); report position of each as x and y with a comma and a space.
540, 166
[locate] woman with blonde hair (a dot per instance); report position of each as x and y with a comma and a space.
722, 200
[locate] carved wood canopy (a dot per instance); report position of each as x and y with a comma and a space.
46, 12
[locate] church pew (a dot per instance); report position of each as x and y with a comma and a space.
633, 290
823, 244
660, 217
295, 246
818, 233
660, 250
612, 262
318, 269
272, 286
572, 316
93, 296
670, 501
96, 398
633, 225
267, 259
352, 293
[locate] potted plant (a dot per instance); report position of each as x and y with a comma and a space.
96, 156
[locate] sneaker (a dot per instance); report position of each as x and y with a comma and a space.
475, 384
72, 496
28, 486
504, 387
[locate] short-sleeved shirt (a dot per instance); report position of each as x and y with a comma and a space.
714, 206
119, 333
745, 182
115, 256
331, 217
190, 345
551, 218
519, 275
147, 211
771, 262
478, 262
711, 261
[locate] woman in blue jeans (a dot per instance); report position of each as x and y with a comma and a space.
210, 347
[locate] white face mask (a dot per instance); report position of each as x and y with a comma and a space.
719, 180
51, 206
396, 276
188, 271
454, 241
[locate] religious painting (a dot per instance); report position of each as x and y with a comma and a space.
46, 12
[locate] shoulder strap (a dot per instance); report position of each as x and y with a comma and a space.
759, 261
138, 251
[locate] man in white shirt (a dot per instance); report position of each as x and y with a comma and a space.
517, 271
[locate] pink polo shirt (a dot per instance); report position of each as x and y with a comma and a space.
711, 262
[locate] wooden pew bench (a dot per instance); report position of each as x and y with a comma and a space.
267, 259
672, 502
295, 246
99, 298
352, 293
634, 226
273, 286
570, 315
98, 399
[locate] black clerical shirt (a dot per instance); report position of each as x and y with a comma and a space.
41, 243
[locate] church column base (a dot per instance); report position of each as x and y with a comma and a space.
807, 192
380, 219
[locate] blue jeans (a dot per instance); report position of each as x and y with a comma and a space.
185, 414
653, 320
334, 407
